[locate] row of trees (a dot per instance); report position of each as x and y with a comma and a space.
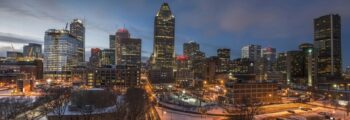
10, 107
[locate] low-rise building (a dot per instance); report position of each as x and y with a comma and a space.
120, 76
264, 92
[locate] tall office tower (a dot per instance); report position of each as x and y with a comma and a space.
198, 59
224, 56
183, 75
308, 51
327, 43
61, 51
77, 29
190, 48
211, 68
128, 50
281, 64
163, 56
164, 36
111, 41
32, 50
269, 56
107, 57
295, 68
94, 60
347, 70
252, 52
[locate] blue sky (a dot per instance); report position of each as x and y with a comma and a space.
212, 23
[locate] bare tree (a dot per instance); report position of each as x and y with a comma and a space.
138, 104
58, 99
10, 107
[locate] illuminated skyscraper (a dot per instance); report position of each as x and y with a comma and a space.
164, 36
128, 50
224, 56
61, 51
327, 41
163, 56
77, 30
107, 57
253, 52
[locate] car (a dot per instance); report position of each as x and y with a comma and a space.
280, 118
306, 109
291, 111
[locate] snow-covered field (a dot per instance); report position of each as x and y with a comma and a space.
166, 114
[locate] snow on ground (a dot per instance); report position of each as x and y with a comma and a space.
166, 114
217, 110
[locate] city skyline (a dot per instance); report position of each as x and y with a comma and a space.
235, 25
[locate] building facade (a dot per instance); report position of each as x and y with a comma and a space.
77, 29
295, 68
224, 55
107, 57
327, 43
94, 60
252, 52
163, 56
269, 58
128, 50
61, 52
32, 50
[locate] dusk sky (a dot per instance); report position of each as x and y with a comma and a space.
283, 24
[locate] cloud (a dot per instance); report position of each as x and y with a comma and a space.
14, 38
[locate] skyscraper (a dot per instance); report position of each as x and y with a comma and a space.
309, 64
32, 50
107, 57
111, 41
190, 48
61, 51
295, 68
224, 56
77, 30
164, 36
253, 52
128, 50
269, 56
163, 56
327, 43
94, 60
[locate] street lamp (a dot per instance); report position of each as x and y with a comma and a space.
49, 81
